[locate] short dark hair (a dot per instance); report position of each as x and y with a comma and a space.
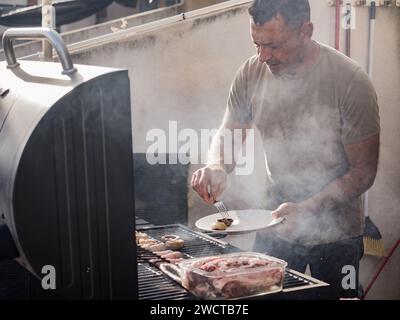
294, 12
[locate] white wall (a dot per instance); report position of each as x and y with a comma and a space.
183, 72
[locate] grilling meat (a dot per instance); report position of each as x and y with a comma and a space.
172, 255
161, 253
140, 236
218, 225
157, 247
175, 244
233, 277
173, 241
146, 244
168, 237
175, 260
222, 224
226, 221
170, 242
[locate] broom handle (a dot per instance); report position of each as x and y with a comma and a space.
371, 42
381, 268
365, 204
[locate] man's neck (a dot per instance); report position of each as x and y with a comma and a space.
309, 59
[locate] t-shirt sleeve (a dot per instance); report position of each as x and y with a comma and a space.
359, 109
238, 109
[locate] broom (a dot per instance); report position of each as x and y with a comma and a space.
373, 244
372, 238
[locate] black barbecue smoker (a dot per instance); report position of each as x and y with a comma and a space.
66, 171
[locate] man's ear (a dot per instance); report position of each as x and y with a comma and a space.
307, 29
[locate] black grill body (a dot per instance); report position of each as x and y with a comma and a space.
66, 176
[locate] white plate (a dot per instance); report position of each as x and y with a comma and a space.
243, 221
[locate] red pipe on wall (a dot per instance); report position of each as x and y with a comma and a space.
381, 268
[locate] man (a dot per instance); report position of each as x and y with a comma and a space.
318, 117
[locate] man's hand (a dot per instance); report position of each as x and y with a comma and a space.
289, 208
209, 182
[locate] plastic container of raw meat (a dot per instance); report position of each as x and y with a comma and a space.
230, 276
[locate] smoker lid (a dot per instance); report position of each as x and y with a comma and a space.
41, 83
7, 101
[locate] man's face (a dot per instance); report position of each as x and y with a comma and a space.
279, 45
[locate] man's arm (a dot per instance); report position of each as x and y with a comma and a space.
218, 148
363, 159
210, 182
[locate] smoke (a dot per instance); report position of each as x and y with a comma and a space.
303, 155
181, 73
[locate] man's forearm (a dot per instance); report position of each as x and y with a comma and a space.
223, 151
340, 191
216, 156
363, 161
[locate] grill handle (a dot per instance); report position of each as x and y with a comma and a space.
37, 33
174, 275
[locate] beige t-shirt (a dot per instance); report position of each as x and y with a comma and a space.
304, 121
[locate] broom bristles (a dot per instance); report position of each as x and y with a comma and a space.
373, 247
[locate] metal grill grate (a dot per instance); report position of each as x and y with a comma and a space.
196, 244
293, 281
154, 284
